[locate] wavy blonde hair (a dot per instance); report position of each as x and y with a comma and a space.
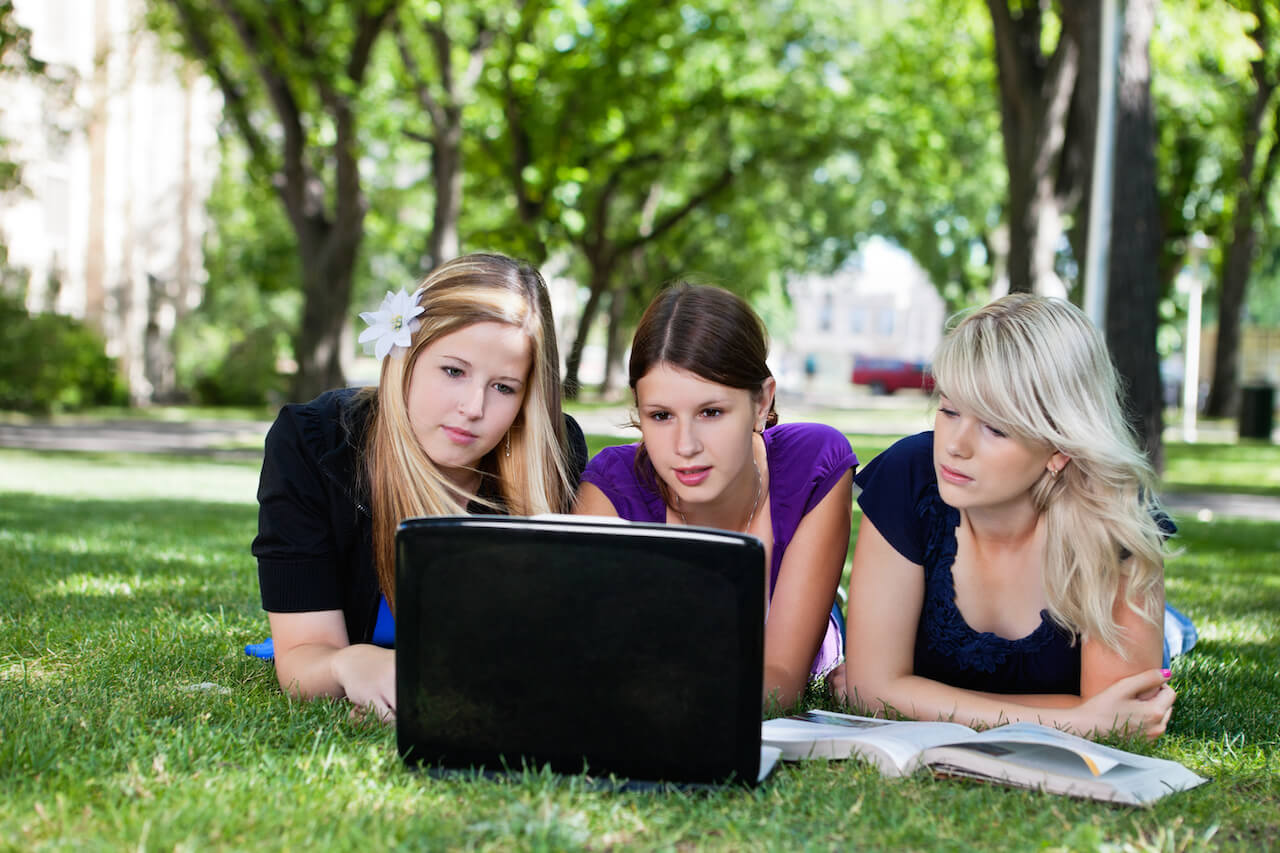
534, 476
1037, 369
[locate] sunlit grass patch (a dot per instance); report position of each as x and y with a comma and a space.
1245, 467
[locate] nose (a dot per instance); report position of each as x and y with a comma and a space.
471, 402
960, 440
687, 443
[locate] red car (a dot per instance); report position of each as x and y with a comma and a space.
886, 375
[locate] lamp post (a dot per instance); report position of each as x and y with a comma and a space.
1191, 282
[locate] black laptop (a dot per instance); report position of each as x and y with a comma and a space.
620, 650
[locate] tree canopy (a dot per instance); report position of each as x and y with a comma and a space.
641, 141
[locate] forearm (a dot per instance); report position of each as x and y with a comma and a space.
924, 699
316, 669
782, 687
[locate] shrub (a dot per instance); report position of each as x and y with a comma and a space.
53, 363
246, 375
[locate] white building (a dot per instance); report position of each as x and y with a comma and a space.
116, 169
880, 304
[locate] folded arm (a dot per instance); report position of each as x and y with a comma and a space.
314, 658
886, 592
801, 604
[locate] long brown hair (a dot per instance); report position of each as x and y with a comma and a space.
533, 476
707, 331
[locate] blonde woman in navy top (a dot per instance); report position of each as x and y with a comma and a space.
1009, 565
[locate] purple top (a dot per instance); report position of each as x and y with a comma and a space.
805, 461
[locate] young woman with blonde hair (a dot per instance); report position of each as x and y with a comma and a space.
466, 417
1009, 564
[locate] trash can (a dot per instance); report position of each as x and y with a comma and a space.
1257, 411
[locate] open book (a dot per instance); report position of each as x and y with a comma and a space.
1022, 754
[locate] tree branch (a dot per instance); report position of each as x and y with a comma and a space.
425, 99
296, 174
673, 217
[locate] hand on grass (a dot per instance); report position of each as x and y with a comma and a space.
367, 674
1138, 704
835, 684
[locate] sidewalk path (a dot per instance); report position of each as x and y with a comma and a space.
222, 439
1205, 505
243, 440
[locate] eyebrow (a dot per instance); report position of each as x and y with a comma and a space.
510, 380
708, 404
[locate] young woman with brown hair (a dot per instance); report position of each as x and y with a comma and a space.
710, 454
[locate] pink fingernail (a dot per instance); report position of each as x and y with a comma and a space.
1167, 673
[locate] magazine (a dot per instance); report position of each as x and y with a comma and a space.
1021, 754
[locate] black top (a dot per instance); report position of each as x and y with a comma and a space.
315, 529
900, 497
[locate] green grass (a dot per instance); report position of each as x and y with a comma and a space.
129, 716
1247, 467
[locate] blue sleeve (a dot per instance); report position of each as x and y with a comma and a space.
892, 486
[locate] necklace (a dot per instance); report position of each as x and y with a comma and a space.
754, 506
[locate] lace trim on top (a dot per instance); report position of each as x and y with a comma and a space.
944, 627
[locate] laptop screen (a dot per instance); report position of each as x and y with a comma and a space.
615, 649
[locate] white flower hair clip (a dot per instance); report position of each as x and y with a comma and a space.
392, 325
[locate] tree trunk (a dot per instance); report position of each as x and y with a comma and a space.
328, 268
1083, 20
1133, 294
601, 272
1237, 263
446, 168
613, 346
1035, 93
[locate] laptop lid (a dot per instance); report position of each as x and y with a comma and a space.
632, 650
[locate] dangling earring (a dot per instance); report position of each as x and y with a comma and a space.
508, 444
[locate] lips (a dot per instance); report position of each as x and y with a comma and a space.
458, 435
692, 476
951, 475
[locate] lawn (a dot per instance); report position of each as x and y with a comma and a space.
130, 718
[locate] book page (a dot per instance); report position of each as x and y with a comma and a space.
1039, 744
769, 756
1038, 756
892, 746
910, 738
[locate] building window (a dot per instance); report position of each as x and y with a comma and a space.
884, 322
824, 313
858, 321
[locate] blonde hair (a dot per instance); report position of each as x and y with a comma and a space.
529, 467
1037, 369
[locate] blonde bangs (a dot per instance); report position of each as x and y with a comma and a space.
986, 373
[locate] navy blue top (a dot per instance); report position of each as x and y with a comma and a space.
900, 497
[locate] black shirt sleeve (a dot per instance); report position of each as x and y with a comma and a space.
296, 547
577, 449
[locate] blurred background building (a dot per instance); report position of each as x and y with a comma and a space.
116, 166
